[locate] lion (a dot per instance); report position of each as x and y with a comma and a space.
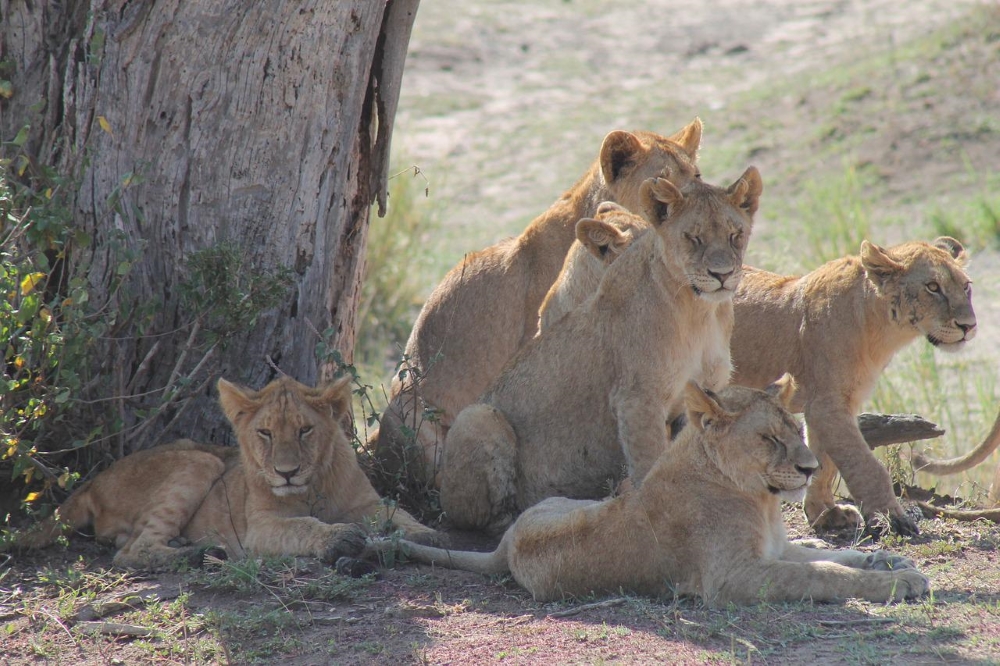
486, 308
835, 329
294, 487
596, 390
598, 243
706, 521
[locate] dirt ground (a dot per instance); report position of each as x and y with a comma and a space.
504, 105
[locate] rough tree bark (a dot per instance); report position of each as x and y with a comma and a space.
260, 124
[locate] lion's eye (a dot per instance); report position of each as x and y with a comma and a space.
305, 430
773, 441
933, 287
968, 289
694, 240
697, 174
735, 238
265, 433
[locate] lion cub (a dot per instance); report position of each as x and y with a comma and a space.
295, 488
486, 308
596, 390
598, 243
706, 521
835, 330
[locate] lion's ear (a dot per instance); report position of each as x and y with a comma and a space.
953, 247
656, 196
689, 138
237, 401
610, 207
702, 407
618, 153
784, 390
599, 237
745, 192
877, 262
337, 397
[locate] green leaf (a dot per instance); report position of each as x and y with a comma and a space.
22, 136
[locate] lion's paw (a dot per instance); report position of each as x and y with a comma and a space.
901, 523
429, 537
883, 560
839, 518
346, 540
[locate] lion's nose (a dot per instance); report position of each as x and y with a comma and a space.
721, 277
805, 471
287, 475
967, 329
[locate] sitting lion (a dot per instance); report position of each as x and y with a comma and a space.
835, 330
486, 307
706, 521
295, 488
596, 390
598, 243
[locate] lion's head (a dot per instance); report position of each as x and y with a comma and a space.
287, 432
704, 228
610, 232
927, 288
628, 158
753, 439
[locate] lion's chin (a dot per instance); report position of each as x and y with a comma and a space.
793, 496
949, 347
720, 295
287, 490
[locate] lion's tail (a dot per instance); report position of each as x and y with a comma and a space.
494, 562
961, 463
969, 515
75, 513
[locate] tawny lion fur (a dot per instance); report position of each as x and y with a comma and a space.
598, 243
595, 392
293, 488
707, 521
835, 330
486, 307
977, 455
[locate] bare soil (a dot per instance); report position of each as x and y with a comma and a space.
504, 105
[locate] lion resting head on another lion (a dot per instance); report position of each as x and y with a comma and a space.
599, 241
706, 522
295, 488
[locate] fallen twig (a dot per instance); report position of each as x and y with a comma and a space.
607, 603
968, 515
863, 620
113, 629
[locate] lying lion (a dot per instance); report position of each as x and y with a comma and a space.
835, 330
595, 391
706, 521
294, 488
486, 307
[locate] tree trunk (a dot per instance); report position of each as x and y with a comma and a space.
223, 156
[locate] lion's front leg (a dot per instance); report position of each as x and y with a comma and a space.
304, 535
879, 560
642, 430
833, 435
817, 581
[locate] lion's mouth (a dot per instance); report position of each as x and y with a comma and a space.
941, 344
